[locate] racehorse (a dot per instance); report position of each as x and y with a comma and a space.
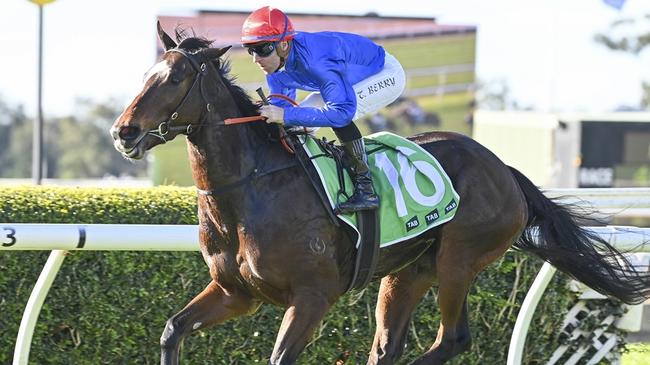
266, 237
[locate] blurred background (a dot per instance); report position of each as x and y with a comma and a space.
560, 90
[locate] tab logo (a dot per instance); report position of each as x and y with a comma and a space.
412, 223
431, 217
451, 206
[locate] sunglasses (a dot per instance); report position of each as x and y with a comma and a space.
262, 49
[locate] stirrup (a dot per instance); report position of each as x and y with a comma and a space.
358, 205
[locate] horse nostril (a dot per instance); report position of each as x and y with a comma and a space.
129, 133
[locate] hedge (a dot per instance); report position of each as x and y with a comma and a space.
111, 307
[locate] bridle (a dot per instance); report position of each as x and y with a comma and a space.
166, 126
201, 69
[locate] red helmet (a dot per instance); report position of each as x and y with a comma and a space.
267, 25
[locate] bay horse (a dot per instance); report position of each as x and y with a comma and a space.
266, 237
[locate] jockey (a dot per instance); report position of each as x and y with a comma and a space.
350, 76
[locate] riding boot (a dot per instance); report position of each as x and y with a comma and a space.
364, 197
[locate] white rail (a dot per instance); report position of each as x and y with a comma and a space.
64, 237
99, 237
624, 202
621, 202
34, 304
626, 239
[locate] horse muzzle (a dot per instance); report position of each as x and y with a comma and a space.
126, 140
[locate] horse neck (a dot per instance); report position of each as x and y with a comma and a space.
222, 155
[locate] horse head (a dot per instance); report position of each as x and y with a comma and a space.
177, 96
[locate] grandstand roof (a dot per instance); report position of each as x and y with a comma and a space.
224, 26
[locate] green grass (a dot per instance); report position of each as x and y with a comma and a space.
452, 109
433, 51
171, 165
639, 354
439, 80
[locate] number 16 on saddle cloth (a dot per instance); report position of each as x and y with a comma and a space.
415, 192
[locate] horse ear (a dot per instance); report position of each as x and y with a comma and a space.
166, 40
214, 53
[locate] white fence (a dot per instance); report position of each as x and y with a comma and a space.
61, 238
623, 238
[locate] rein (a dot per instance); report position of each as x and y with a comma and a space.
201, 70
166, 126
255, 174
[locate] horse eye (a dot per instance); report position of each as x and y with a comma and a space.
176, 80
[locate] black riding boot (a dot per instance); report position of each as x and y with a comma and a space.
364, 197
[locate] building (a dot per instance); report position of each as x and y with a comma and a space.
571, 150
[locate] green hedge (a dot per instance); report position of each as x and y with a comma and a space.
111, 307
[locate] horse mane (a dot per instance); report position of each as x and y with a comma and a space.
194, 44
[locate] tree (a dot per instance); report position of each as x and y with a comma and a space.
645, 97
624, 36
15, 141
75, 147
85, 147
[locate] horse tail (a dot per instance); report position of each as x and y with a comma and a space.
576, 251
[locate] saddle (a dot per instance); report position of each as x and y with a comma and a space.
367, 254
416, 193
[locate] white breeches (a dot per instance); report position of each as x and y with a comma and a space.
374, 92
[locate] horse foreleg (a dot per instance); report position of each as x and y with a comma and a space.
212, 306
301, 318
399, 294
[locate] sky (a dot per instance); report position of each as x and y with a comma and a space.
543, 49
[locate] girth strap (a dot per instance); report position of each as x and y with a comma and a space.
368, 252
254, 175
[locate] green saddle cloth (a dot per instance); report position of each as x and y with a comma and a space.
415, 192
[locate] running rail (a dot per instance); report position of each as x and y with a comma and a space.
627, 202
627, 239
61, 238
